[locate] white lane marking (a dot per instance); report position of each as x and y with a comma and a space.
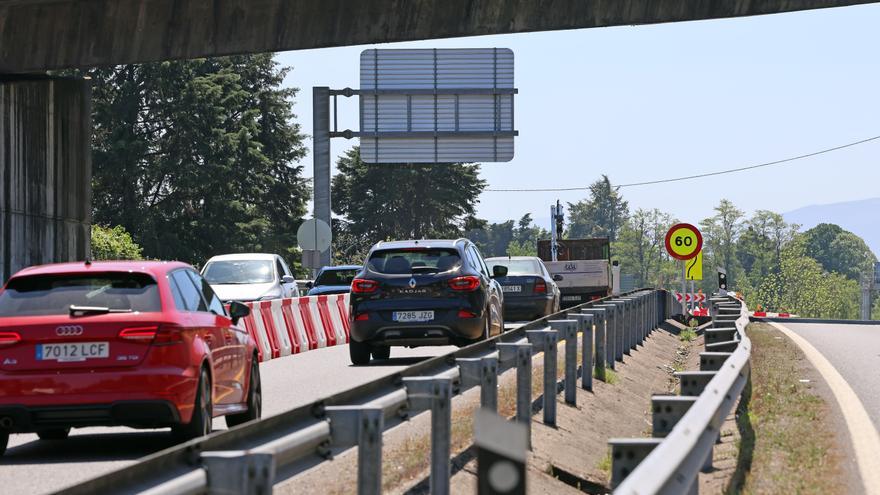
866, 440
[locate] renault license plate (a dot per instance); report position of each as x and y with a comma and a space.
412, 316
73, 351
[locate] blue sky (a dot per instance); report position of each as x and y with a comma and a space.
650, 102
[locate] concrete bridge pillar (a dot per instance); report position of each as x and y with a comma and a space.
45, 171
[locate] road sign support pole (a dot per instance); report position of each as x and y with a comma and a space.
684, 288
321, 157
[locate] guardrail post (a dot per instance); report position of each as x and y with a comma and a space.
693, 382
238, 471
438, 390
627, 454
601, 342
667, 411
567, 330
611, 326
521, 352
483, 372
713, 361
361, 426
546, 341
585, 324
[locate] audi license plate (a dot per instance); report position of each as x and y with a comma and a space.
79, 351
511, 288
412, 316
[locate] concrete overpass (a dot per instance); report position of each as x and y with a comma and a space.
36, 35
45, 159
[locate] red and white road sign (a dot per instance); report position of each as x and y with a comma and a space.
690, 297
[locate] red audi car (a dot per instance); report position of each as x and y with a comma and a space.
144, 344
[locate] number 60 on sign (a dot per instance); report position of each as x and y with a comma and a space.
683, 241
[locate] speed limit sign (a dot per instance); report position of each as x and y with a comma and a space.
683, 241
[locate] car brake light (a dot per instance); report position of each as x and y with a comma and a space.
362, 317
466, 314
157, 335
466, 283
540, 287
364, 286
9, 338
140, 334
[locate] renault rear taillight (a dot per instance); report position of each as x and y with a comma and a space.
364, 286
465, 284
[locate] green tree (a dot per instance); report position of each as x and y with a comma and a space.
113, 243
839, 250
640, 247
600, 215
801, 286
404, 201
720, 234
198, 157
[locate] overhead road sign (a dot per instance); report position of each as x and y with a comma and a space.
436, 105
684, 241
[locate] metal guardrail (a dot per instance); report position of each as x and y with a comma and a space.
687, 426
252, 457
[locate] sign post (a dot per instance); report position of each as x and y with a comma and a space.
684, 242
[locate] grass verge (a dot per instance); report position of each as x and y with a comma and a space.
787, 441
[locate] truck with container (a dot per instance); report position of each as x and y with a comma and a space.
584, 266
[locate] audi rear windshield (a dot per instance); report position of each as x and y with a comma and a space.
413, 260
336, 277
42, 295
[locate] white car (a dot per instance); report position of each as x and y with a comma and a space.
250, 277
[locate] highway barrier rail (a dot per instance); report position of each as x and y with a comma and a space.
252, 457
687, 426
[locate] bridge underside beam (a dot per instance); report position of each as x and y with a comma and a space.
36, 35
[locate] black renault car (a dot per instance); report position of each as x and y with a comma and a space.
420, 293
530, 292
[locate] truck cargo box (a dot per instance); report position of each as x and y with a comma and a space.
581, 274
576, 249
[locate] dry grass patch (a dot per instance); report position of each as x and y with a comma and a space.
788, 442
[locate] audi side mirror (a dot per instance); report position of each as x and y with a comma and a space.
499, 271
237, 311
309, 284
557, 278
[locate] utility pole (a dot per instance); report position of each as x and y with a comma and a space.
555, 230
867, 288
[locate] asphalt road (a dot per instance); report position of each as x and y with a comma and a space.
854, 351
32, 466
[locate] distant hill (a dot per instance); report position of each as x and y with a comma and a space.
859, 217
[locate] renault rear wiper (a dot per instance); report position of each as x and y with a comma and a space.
94, 310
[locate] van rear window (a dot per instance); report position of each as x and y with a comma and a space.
408, 261
41, 295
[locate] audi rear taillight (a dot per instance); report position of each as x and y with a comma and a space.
466, 283
139, 334
540, 287
155, 334
9, 338
364, 286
